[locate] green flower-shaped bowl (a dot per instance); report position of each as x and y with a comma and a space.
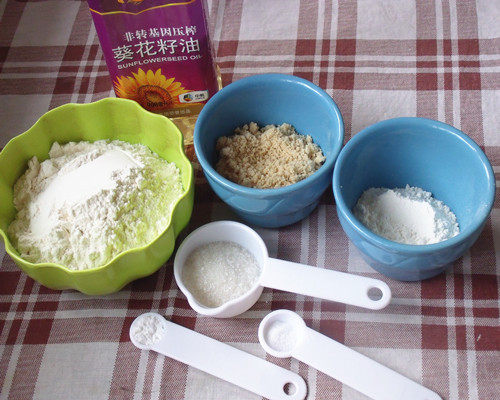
105, 119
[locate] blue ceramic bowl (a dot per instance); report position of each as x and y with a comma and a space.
423, 153
270, 99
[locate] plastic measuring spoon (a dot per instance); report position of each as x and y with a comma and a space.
284, 333
221, 360
277, 274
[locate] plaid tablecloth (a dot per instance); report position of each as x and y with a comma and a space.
377, 59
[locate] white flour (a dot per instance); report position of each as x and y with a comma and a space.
91, 201
410, 215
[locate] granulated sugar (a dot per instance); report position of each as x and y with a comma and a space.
410, 215
281, 336
148, 330
217, 272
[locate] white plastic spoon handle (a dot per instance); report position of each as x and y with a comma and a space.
228, 363
356, 370
324, 284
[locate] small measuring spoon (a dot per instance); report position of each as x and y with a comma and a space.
277, 274
284, 333
221, 360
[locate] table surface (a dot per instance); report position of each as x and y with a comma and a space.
377, 59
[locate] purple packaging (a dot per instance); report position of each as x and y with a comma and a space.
158, 52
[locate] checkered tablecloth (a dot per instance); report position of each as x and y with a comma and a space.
377, 59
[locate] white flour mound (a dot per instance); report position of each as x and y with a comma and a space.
410, 215
91, 201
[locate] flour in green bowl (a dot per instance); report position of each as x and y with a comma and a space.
88, 202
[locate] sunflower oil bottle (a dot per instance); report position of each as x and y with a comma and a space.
159, 53
186, 126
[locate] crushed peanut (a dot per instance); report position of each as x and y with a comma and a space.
268, 157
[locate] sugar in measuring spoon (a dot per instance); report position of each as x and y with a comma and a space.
276, 274
284, 333
150, 331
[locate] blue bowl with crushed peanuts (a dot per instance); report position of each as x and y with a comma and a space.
270, 99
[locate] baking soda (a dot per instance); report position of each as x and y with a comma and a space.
218, 272
281, 336
148, 330
407, 215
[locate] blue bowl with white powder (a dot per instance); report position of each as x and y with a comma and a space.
420, 153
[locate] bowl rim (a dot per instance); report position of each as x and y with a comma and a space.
8, 244
414, 249
271, 192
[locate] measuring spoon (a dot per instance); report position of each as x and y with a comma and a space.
284, 333
221, 360
277, 274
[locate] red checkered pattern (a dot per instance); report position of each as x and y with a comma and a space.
377, 59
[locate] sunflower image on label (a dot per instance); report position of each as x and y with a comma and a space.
152, 90
158, 53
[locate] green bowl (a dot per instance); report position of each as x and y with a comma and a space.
105, 119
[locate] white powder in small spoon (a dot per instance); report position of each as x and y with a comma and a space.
217, 272
407, 215
148, 330
282, 336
